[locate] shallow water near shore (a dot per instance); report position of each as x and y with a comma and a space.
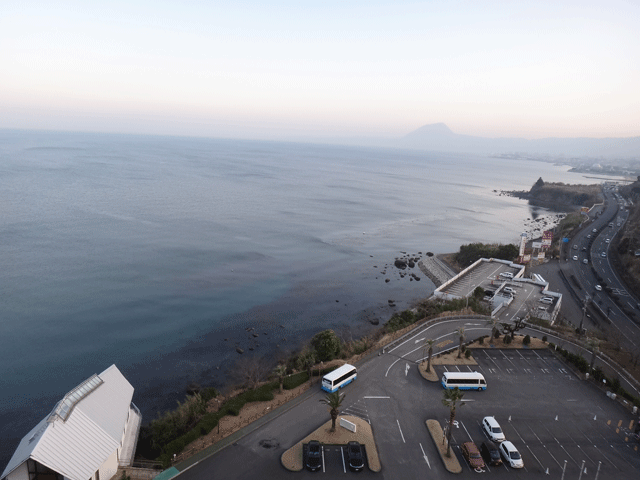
157, 254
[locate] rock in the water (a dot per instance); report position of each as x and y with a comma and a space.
411, 264
193, 388
256, 335
401, 264
429, 254
239, 350
375, 321
387, 280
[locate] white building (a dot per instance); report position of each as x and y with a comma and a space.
91, 431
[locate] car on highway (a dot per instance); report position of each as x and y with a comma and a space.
595, 230
599, 288
355, 456
575, 257
589, 236
471, 453
575, 247
511, 454
314, 456
490, 452
492, 428
607, 241
603, 254
585, 261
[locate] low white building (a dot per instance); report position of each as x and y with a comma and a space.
89, 433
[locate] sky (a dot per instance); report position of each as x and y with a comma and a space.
350, 68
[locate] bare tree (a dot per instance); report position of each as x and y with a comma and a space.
250, 371
511, 328
594, 345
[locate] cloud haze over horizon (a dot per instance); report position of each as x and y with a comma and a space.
285, 69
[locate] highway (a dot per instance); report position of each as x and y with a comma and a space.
593, 244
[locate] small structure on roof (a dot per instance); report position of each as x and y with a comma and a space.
90, 432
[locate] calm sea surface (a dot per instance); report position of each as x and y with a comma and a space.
157, 253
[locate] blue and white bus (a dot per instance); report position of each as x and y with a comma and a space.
464, 380
340, 377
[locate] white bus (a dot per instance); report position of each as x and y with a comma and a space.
464, 380
340, 377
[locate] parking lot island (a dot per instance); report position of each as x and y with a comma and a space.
450, 463
292, 459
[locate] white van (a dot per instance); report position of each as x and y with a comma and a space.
548, 300
506, 275
492, 428
509, 290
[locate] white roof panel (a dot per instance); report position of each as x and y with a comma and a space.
77, 447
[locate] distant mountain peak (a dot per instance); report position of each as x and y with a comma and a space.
431, 129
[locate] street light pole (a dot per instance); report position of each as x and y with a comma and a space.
584, 311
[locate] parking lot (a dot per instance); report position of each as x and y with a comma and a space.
334, 463
556, 421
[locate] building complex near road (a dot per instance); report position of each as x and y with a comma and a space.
89, 433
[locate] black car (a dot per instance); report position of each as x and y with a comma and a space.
490, 452
355, 456
314, 456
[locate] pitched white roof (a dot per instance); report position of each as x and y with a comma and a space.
78, 446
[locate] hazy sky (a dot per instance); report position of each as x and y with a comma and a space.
271, 69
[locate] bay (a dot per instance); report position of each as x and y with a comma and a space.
158, 253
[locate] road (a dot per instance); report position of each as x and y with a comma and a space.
396, 400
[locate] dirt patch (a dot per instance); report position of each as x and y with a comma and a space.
450, 463
451, 358
432, 376
292, 458
229, 424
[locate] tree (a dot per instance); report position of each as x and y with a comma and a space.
333, 401
326, 344
594, 346
306, 360
428, 345
511, 328
493, 323
451, 399
250, 371
461, 338
280, 371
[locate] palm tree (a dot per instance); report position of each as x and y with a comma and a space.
451, 399
333, 401
428, 344
461, 337
280, 371
494, 326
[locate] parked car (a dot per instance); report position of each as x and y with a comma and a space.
575, 247
511, 454
472, 454
585, 261
506, 275
595, 230
547, 300
490, 452
314, 456
355, 456
492, 428
599, 288
575, 257
509, 290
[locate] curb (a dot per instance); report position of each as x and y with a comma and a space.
450, 463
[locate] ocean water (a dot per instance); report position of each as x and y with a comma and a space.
158, 253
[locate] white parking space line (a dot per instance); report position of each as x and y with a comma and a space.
323, 459
507, 358
607, 458
494, 362
424, 455
539, 357
523, 357
465, 429
403, 441
572, 459
534, 456
586, 455
344, 467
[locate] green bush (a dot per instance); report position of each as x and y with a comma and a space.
467, 354
400, 320
526, 340
326, 345
295, 380
481, 340
544, 339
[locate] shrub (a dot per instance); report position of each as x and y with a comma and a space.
326, 344
526, 340
481, 340
467, 354
544, 339
507, 339
496, 336
293, 381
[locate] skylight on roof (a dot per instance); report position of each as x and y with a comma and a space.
71, 399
